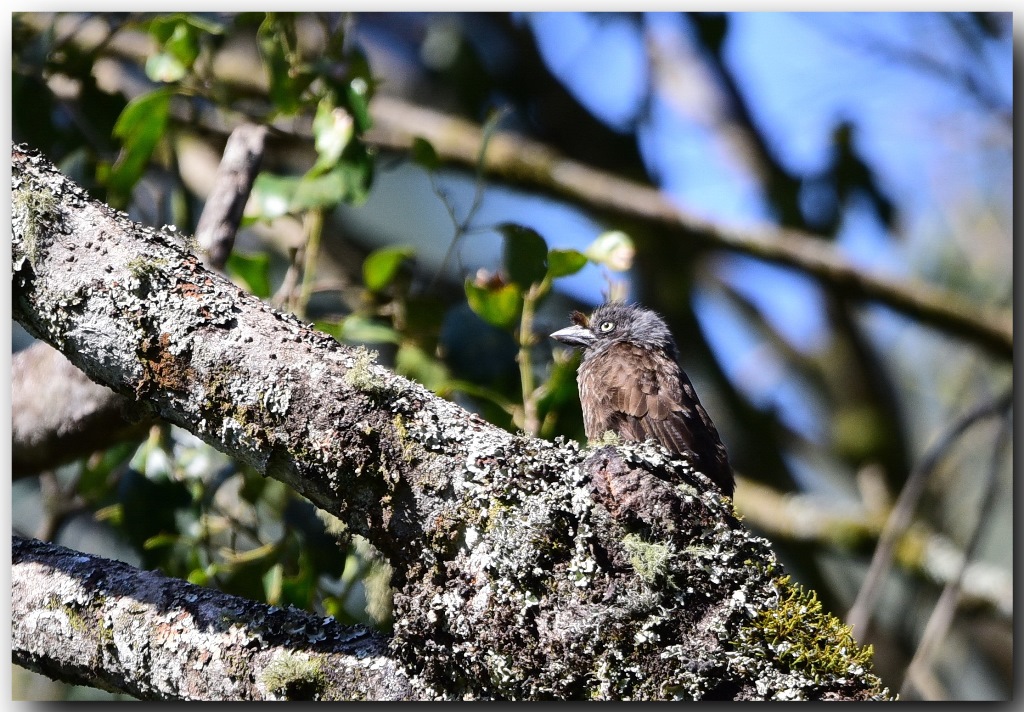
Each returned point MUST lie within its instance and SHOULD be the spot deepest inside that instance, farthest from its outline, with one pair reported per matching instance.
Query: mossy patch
(804, 638)
(361, 376)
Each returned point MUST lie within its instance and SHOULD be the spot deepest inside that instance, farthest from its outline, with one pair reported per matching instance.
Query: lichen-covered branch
(58, 414)
(523, 569)
(92, 621)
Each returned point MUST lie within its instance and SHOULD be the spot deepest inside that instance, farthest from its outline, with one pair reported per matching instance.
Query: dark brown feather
(640, 393)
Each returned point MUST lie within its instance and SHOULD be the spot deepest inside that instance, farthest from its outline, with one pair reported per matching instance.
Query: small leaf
(140, 126)
(165, 67)
(413, 362)
(322, 191)
(381, 266)
(526, 254)
(498, 305)
(562, 263)
(360, 329)
(330, 327)
(332, 129)
(253, 270)
(613, 249)
(271, 195)
(423, 154)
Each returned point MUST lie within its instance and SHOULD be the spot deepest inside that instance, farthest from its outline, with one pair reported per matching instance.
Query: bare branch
(899, 519)
(222, 213)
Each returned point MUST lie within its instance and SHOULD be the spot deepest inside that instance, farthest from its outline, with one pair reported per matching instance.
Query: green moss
(802, 637)
(409, 446)
(650, 560)
(295, 677)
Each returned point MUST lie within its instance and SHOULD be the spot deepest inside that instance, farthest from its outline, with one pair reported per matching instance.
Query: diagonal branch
(523, 569)
(522, 161)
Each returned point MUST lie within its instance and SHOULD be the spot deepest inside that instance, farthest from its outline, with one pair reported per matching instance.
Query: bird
(630, 383)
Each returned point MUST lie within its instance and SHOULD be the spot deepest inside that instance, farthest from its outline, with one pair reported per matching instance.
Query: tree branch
(58, 414)
(524, 569)
(92, 621)
(519, 160)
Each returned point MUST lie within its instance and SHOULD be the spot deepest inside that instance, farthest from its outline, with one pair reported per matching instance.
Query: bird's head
(616, 322)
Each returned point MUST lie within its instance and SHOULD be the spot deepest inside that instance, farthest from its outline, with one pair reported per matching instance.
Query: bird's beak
(577, 336)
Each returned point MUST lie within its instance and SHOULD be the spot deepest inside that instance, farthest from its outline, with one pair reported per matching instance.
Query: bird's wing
(642, 394)
(647, 389)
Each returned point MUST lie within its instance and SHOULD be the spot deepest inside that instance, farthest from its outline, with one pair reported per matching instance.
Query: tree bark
(102, 623)
(523, 569)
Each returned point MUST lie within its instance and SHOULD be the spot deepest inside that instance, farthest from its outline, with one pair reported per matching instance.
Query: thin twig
(859, 612)
(942, 614)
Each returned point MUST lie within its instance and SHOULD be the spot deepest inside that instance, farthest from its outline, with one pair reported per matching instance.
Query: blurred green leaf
(423, 154)
(330, 327)
(271, 195)
(277, 195)
(253, 270)
(613, 249)
(272, 581)
(381, 266)
(562, 263)
(413, 362)
(165, 67)
(95, 478)
(360, 329)
(288, 77)
(140, 126)
(526, 254)
(497, 305)
(322, 191)
(179, 37)
(332, 131)
(359, 90)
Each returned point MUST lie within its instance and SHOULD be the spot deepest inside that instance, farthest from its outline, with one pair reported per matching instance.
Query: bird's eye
(607, 326)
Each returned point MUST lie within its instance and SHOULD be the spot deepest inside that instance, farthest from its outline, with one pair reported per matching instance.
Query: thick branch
(524, 569)
(92, 621)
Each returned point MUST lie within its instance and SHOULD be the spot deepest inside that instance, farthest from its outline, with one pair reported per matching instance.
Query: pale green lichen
(361, 376)
(650, 560)
(295, 677)
(29, 208)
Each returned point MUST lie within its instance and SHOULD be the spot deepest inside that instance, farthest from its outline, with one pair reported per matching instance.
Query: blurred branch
(88, 620)
(520, 160)
(58, 414)
(942, 614)
(899, 518)
(222, 213)
(927, 554)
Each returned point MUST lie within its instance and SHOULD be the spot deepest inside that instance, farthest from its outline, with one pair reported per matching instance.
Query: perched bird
(631, 384)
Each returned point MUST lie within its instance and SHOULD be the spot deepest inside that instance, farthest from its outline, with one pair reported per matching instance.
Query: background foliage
(887, 136)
